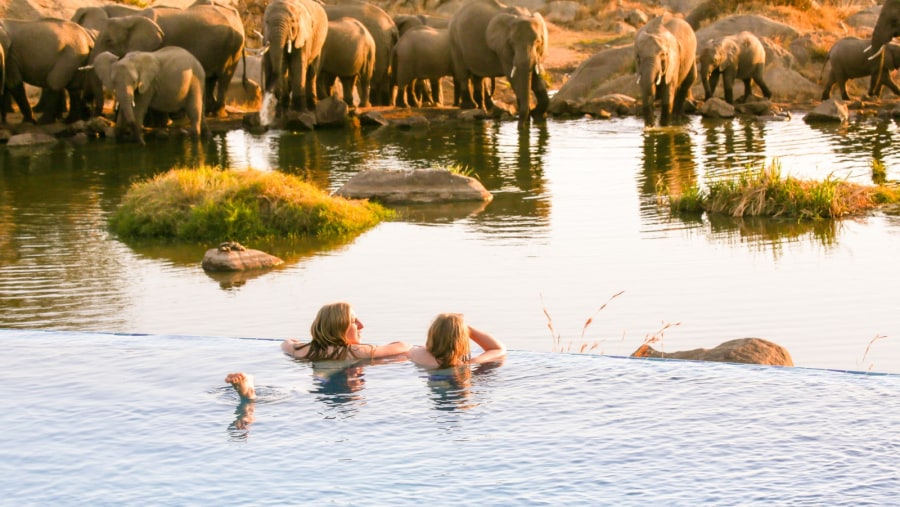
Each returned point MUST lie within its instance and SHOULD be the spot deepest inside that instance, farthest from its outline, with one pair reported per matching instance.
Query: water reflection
(339, 387)
(731, 145)
(455, 389)
(866, 140)
(668, 161)
(771, 234)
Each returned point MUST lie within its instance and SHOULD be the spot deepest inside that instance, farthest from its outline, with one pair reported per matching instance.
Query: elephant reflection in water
(668, 161)
(726, 148)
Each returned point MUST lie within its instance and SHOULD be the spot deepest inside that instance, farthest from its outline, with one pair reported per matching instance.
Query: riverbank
(796, 50)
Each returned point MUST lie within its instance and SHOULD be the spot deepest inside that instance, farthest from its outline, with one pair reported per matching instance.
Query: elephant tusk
(878, 53)
(86, 67)
(290, 46)
(538, 69)
(638, 79)
(265, 50)
(512, 72)
(258, 34)
(659, 79)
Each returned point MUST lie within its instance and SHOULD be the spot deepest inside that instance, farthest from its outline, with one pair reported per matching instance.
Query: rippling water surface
(574, 221)
(95, 419)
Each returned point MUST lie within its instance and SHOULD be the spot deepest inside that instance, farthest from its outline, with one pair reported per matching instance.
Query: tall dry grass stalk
(570, 346)
(868, 347)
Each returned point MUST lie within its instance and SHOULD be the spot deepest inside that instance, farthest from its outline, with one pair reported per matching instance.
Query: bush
(212, 204)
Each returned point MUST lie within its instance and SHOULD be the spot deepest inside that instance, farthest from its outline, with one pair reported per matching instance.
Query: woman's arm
(289, 347)
(494, 349)
(391, 349)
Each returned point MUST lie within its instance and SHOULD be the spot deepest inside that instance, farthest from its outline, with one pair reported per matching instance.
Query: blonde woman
(335, 337)
(335, 334)
(448, 344)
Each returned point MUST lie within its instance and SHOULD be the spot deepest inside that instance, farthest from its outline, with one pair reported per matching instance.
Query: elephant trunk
(277, 38)
(647, 75)
(523, 71)
(126, 120)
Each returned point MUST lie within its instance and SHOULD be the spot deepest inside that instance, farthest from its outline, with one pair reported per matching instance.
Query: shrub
(764, 192)
(207, 203)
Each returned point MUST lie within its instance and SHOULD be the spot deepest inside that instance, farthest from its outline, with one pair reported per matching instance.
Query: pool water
(97, 419)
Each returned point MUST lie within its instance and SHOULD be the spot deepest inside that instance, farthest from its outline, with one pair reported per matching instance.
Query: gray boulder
(741, 350)
(831, 110)
(760, 26)
(31, 139)
(413, 186)
(232, 256)
(717, 108)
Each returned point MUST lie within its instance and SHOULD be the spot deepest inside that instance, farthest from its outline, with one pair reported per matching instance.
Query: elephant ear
(147, 68)
(138, 34)
(498, 36)
(103, 67)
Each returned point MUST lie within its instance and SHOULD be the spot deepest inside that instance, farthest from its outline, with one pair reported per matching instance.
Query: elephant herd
(669, 60)
(153, 62)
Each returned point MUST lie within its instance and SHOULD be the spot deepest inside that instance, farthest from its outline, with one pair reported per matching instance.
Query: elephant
(490, 39)
(294, 32)
(848, 61)
(349, 54)
(406, 22)
(46, 53)
(422, 53)
(218, 50)
(887, 26)
(95, 18)
(739, 56)
(385, 33)
(167, 80)
(665, 49)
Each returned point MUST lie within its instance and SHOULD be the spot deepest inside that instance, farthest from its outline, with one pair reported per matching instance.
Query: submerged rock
(832, 110)
(232, 256)
(414, 186)
(741, 350)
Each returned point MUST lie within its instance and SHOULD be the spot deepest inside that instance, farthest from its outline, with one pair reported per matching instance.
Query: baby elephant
(349, 55)
(167, 80)
(849, 60)
(421, 53)
(740, 56)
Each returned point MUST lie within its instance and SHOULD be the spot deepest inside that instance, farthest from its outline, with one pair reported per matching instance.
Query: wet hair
(329, 334)
(448, 340)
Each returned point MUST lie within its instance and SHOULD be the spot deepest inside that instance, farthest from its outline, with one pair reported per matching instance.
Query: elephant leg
(887, 81)
(437, 92)
(713, 82)
(829, 84)
(297, 83)
(758, 79)
(50, 105)
(664, 92)
(728, 86)
(842, 85)
(21, 98)
(681, 94)
(363, 86)
(747, 89)
(539, 87)
(348, 84)
(417, 92)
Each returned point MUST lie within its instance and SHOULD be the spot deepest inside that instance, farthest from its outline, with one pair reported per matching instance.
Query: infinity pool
(96, 419)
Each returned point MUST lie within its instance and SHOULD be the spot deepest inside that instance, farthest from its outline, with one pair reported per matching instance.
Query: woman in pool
(447, 345)
(335, 335)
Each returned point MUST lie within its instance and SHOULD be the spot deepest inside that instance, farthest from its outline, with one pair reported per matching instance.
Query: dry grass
(868, 347)
(570, 346)
(765, 192)
(209, 203)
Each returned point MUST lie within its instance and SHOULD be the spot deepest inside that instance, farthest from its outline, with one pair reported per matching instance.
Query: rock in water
(232, 256)
(414, 186)
(741, 350)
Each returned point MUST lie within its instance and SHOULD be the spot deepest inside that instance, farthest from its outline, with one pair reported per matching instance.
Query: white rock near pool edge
(413, 186)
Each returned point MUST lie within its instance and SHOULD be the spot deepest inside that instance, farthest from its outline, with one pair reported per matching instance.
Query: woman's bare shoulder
(295, 348)
(422, 357)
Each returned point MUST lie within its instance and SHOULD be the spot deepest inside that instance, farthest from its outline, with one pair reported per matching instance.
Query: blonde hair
(448, 340)
(329, 333)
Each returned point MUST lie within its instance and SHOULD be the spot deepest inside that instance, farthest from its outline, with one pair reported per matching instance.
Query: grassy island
(212, 204)
(765, 192)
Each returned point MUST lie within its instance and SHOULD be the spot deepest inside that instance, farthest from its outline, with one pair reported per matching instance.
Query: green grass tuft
(765, 192)
(208, 203)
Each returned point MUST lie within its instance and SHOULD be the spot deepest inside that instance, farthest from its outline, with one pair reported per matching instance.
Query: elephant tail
(245, 81)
